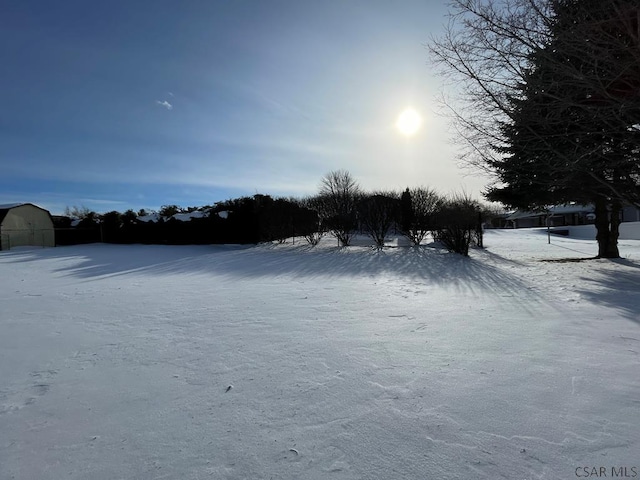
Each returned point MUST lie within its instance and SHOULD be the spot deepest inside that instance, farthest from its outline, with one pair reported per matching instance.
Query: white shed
(25, 224)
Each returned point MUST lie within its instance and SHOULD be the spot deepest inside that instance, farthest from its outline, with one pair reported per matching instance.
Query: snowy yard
(285, 362)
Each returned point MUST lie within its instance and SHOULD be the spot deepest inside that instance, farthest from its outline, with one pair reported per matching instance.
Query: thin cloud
(165, 104)
(98, 201)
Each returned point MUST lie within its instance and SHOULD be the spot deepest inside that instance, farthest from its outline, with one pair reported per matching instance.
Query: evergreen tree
(406, 211)
(573, 132)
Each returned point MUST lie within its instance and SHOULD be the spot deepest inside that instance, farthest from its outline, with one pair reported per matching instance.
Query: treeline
(340, 208)
(255, 219)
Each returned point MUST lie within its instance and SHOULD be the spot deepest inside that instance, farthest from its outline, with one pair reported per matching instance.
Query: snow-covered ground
(287, 362)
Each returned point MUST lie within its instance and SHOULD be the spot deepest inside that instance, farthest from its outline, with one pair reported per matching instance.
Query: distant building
(565, 215)
(25, 224)
(570, 214)
(630, 213)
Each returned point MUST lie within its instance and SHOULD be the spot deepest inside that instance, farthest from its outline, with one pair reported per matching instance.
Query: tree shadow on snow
(617, 289)
(422, 265)
(99, 260)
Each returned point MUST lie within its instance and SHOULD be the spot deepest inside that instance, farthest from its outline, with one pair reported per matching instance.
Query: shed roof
(9, 206)
(4, 209)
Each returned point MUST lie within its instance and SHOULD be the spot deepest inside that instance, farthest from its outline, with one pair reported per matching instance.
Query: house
(630, 213)
(559, 215)
(566, 215)
(25, 224)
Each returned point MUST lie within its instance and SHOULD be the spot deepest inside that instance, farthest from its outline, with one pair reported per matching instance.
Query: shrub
(378, 213)
(459, 223)
(418, 209)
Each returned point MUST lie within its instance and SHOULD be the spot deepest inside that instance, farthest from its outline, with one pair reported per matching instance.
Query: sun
(409, 121)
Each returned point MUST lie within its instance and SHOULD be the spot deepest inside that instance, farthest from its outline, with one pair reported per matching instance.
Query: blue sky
(137, 104)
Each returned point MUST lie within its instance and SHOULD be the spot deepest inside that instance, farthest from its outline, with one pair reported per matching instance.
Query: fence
(26, 237)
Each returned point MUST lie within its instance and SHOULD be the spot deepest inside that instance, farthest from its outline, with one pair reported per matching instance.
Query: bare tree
(339, 194)
(485, 52)
(419, 207)
(378, 213)
(315, 228)
(79, 213)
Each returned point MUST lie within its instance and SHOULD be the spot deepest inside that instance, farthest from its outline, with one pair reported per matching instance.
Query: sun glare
(409, 122)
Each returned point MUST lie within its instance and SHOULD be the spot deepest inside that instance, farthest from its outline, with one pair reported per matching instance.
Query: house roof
(181, 217)
(185, 217)
(151, 217)
(572, 208)
(519, 214)
(555, 210)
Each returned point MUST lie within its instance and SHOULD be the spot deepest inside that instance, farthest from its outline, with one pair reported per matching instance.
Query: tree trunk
(607, 228)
